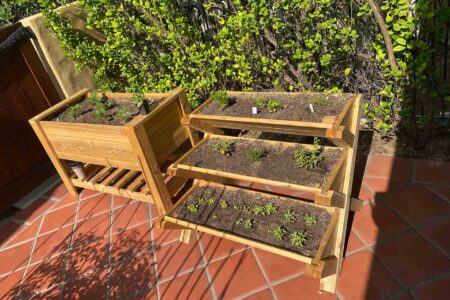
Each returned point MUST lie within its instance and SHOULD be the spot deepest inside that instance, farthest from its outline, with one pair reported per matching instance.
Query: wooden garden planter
(121, 160)
(247, 241)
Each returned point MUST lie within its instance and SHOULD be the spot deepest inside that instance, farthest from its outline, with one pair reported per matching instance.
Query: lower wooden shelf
(122, 182)
(228, 194)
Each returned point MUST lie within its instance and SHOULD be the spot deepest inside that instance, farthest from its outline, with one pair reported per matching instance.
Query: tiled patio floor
(104, 247)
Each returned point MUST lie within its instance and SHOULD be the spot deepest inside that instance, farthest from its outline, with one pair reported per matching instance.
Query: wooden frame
(122, 160)
(180, 168)
(330, 127)
(247, 241)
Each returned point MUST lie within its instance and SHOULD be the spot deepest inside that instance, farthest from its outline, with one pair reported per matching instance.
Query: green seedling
(123, 114)
(222, 147)
(270, 209)
(239, 221)
(246, 209)
(279, 232)
(309, 158)
(310, 220)
(138, 99)
(93, 97)
(259, 210)
(256, 154)
(298, 238)
(249, 223)
(100, 109)
(317, 101)
(211, 202)
(223, 204)
(201, 201)
(221, 98)
(290, 216)
(74, 111)
(261, 102)
(236, 207)
(273, 106)
(193, 208)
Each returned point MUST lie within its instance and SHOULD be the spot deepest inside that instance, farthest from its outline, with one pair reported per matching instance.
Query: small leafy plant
(273, 106)
(138, 99)
(239, 221)
(270, 208)
(261, 102)
(259, 210)
(211, 201)
(298, 238)
(193, 208)
(222, 147)
(290, 216)
(309, 159)
(279, 232)
(223, 204)
(318, 101)
(221, 98)
(74, 111)
(256, 154)
(310, 220)
(249, 223)
(93, 97)
(99, 105)
(122, 114)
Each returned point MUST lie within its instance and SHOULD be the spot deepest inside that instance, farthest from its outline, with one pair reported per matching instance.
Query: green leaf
(401, 41)
(399, 48)
(347, 71)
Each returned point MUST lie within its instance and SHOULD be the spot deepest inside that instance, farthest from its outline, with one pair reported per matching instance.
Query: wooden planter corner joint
(121, 160)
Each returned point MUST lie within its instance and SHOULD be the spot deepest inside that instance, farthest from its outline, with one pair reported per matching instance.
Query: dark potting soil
(87, 112)
(278, 163)
(240, 204)
(294, 107)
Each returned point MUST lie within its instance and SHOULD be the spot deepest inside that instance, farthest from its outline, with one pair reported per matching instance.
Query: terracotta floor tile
(92, 256)
(94, 206)
(98, 226)
(364, 194)
(52, 244)
(154, 211)
(129, 243)
(8, 231)
(93, 286)
(10, 285)
(389, 167)
(382, 187)
(165, 236)
(437, 289)
(34, 210)
(125, 279)
(215, 247)
(353, 243)
(14, 258)
(303, 287)
(118, 201)
(24, 233)
(438, 232)
(263, 295)
(375, 223)
(58, 191)
(67, 200)
(130, 215)
(278, 267)
(176, 258)
(58, 218)
(364, 278)
(412, 259)
(429, 171)
(417, 204)
(87, 193)
(190, 286)
(44, 275)
(442, 191)
(236, 275)
(147, 294)
(52, 294)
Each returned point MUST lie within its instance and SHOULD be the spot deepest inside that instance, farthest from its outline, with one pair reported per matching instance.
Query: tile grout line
(263, 271)
(208, 276)
(153, 249)
(443, 198)
(111, 221)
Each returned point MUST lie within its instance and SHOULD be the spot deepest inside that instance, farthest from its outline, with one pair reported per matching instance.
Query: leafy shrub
(256, 154)
(222, 147)
(273, 106)
(308, 159)
(221, 98)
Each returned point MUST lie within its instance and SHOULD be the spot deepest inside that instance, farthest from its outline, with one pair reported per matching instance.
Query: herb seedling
(259, 210)
(298, 238)
(74, 111)
(193, 208)
(93, 98)
(318, 101)
(201, 201)
(223, 204)
(308, 159)
(221, 98)
(211, 202)
(236, 207)
(100, 109)
(246, 209)
(270, 209)
(310, 220)
(273, 106)
(256, 154)
(261, 102)
(240, 221)
(290, 216)
(249, 223)
(138, 99)
(222, 147)
(122, 114)
(278, 232)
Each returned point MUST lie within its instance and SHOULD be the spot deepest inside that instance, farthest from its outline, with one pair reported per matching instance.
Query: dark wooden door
(25, 91)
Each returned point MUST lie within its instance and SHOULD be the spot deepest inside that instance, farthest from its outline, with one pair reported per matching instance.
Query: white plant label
(254, 110)
(311, 108)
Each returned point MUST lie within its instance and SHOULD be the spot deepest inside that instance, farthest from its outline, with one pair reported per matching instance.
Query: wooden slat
(125, 179)
(136, 183)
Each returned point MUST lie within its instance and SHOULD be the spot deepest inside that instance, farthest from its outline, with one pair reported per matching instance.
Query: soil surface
(87, 113)
(294, 107)
(277, 164)
(240, 204)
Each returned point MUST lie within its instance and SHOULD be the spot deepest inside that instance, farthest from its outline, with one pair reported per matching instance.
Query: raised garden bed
(224, 211)
(276, 165)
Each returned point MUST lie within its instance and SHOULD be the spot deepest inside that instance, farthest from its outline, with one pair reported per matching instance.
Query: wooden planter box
(169, 218)
(329, 126)
(182, 168)
(122, 160)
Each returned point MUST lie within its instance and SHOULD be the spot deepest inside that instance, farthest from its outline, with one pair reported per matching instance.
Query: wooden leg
(185, 236)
